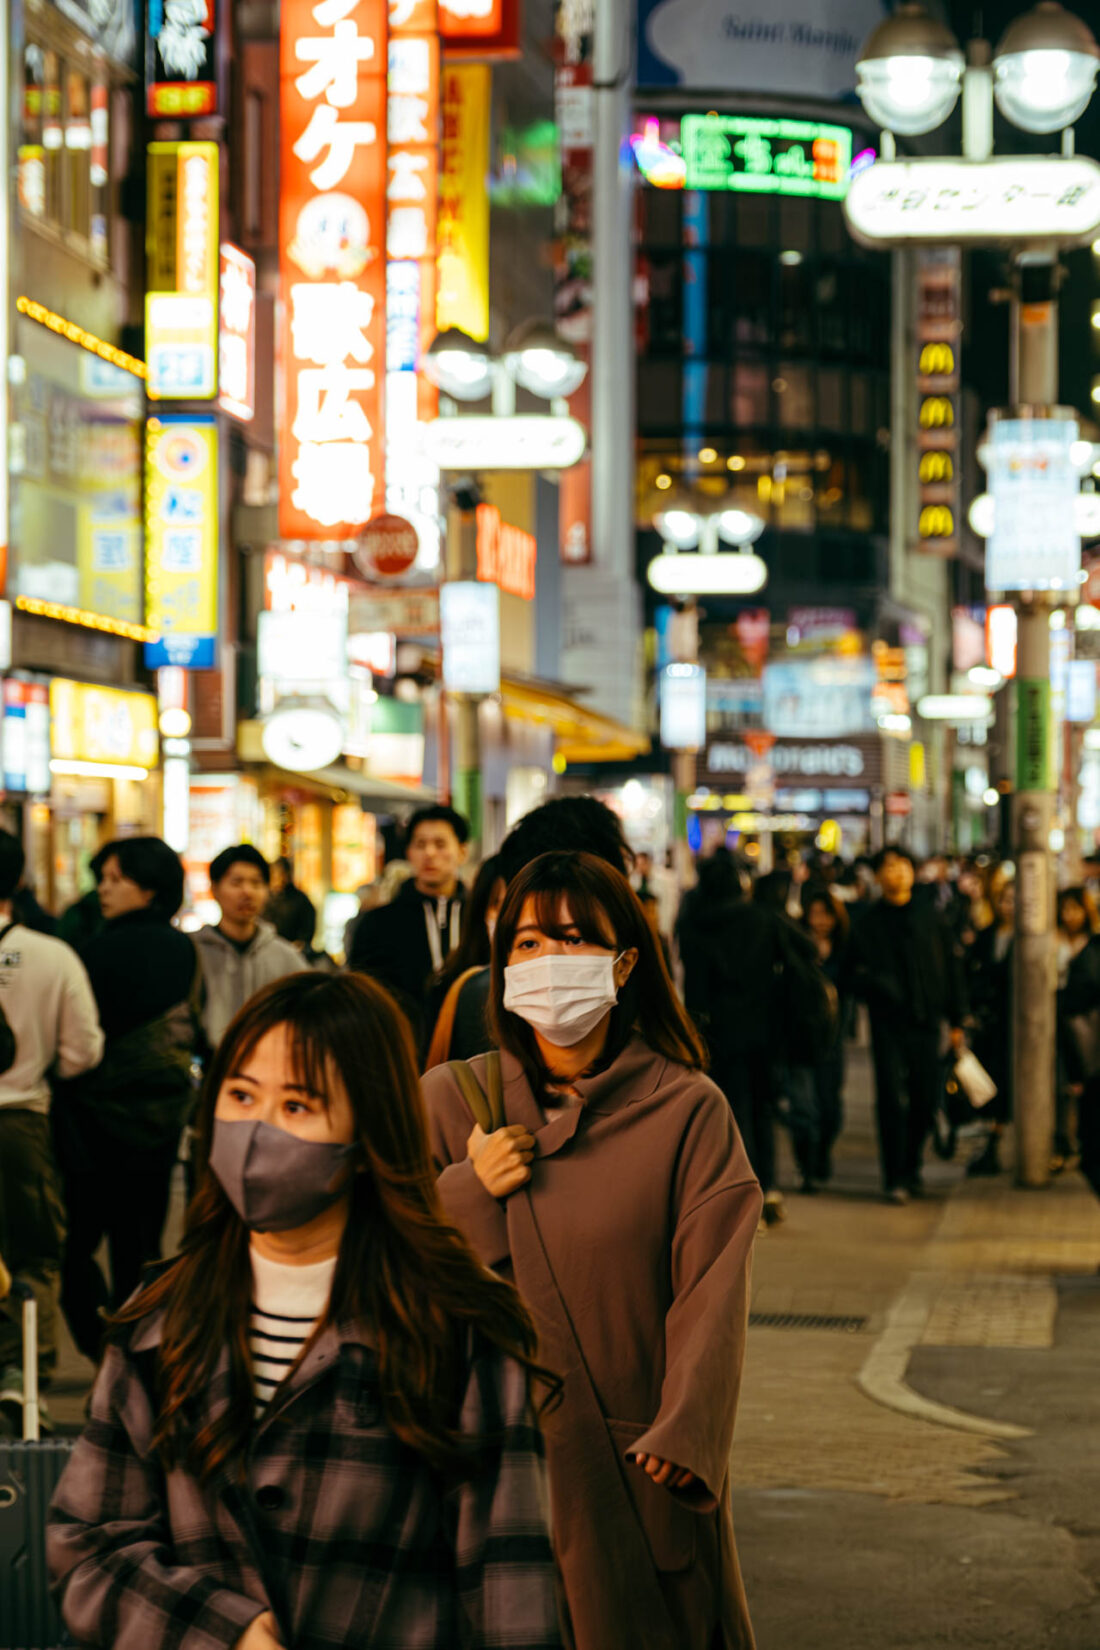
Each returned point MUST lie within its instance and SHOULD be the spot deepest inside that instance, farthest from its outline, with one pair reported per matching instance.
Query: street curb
(882, 1377)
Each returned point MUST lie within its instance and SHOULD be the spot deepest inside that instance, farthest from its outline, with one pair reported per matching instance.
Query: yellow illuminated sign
(463, 227)
(937, 360)
(937, 412)
(90, 621)
(79, 335)
(181, 525)
(182, 242)
(937, 466)
(936, 522)
(101, 724)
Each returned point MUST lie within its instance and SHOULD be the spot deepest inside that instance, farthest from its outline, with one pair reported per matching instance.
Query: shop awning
(381, 793)
(580, 734)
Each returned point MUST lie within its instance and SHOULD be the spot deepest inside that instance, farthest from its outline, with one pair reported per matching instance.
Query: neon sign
(746, 154)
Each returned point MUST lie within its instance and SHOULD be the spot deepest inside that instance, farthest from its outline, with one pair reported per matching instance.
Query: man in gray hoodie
(242, 953)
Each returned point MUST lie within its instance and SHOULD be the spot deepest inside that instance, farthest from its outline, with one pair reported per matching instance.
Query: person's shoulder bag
(485, 1105)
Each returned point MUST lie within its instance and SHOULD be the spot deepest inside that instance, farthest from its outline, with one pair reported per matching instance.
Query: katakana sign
(1013, 199)
(332, 235)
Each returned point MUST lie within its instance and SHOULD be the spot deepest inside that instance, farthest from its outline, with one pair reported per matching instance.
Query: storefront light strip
(78, 335)
(66, 769)
(90, 621)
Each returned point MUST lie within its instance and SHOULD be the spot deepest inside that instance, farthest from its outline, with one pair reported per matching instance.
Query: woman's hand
(262, 1633)
(666, 1473)
(502, 1160)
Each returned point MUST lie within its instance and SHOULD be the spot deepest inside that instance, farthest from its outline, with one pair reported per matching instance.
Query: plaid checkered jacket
(337, 1526)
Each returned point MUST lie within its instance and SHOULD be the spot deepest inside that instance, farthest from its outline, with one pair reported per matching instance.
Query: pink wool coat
(632, 1246)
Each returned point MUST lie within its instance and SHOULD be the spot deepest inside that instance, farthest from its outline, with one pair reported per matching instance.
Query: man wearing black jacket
(904, 965)
(404, 945)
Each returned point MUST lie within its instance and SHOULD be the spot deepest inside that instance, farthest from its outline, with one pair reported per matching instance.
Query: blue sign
(188, 652)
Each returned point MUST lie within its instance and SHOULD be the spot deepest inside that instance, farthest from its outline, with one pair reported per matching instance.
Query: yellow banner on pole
(463, 233)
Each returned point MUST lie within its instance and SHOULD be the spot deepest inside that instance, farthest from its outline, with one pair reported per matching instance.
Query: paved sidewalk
(910, 1478)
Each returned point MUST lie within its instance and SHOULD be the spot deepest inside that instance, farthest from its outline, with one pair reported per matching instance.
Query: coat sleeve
(79, 1038)
(504, 1561)
(716, 1202)
(479, 1216)
(108, 1543)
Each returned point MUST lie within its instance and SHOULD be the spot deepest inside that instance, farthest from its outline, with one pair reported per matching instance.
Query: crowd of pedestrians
(476, 1208)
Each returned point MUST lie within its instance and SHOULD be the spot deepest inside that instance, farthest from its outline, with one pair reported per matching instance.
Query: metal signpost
(911, 74)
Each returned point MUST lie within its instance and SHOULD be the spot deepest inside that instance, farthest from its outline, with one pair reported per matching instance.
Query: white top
(287, 1301)
(47, 996)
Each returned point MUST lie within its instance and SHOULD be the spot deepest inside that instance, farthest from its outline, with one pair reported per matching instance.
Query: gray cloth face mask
(275, 1181)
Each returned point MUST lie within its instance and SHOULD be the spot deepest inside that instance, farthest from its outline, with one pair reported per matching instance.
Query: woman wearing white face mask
(617, 1194)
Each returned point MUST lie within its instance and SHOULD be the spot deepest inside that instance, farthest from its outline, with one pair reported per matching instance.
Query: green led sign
(766, 157)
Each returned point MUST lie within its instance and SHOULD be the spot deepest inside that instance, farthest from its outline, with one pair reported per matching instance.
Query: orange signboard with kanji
(332, 248)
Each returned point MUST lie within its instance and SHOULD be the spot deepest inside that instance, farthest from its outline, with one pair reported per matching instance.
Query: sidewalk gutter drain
(805, 1320)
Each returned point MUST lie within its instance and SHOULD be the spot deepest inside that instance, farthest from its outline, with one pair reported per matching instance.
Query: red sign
(332, 240)
(480, 28)
(237, 333)
(899, 804)
(506, 555)
(181, 58)
(387, 548)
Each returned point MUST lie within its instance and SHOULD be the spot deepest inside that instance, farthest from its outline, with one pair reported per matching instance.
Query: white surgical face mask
(561, 997)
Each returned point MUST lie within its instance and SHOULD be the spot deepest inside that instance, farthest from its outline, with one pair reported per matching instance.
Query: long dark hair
(599, 898)
(402, 1269)
(473, 949)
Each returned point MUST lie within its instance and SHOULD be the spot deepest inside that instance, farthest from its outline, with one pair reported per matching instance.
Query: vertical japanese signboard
(237, 334)
(332, 242)
(181, 539)
(181, 303)
(180, 72)
(412, 193)
(463, 298)
(939, 334)
(574, 106)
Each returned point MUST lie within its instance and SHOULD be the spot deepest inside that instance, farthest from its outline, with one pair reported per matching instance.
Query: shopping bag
(974, 1080)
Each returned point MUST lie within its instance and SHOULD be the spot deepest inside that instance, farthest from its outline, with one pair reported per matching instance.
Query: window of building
(64, 149)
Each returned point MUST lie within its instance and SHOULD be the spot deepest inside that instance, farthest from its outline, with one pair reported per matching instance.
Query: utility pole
(1034, 392)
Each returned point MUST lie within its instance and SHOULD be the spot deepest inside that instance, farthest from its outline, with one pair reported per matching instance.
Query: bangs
(312, 1063)
(587, 917)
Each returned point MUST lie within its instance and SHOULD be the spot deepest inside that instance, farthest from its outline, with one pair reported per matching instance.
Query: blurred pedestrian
(289, 909)
(478, 926)
(580, 824)
(119, 1127)
(989, 990)
(242, 953)
(826, 921)
(341, 1449)
(404, 945)
(48, 1004)
(82, 920)
(1078, 921)
(619, 1196)
(905, 968)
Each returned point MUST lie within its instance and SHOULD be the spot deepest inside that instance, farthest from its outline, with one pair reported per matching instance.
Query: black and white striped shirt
(286, 1304)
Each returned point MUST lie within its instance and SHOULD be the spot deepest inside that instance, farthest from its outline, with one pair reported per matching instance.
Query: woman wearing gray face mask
(315, 1425)
(615, 1189)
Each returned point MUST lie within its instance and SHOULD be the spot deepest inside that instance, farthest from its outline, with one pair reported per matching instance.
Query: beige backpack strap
(486, 1109)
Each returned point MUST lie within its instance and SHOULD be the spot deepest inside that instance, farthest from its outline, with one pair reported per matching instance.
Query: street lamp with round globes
(458, 365)
(739, 526)
(1045, 68)
(679, 526)
(539, 360)
(910, 72)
